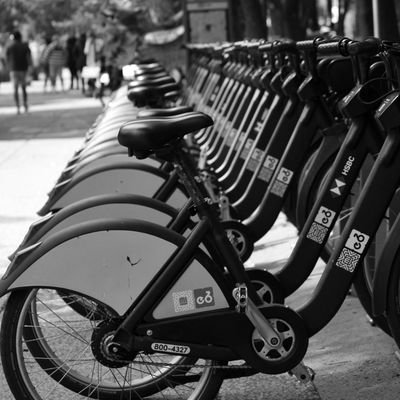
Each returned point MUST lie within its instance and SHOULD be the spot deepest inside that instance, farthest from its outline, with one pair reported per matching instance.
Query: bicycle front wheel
(49, 351)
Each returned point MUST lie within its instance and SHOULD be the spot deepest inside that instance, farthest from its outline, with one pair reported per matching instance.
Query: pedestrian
(56, 57)
(19, 62)
(81, 61)
(92, 50)
(73, 60)
(44, 64)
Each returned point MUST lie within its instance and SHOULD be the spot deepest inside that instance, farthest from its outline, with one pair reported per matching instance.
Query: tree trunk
(343, 7)
(386, 20)
(238, 22)
(312, 15)
(255, 21)
(364, 21)
(294, 20)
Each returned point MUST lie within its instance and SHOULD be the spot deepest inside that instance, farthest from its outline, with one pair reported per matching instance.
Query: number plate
(170, 348)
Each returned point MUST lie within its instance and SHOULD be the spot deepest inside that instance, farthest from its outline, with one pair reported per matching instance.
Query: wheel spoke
(58, 360)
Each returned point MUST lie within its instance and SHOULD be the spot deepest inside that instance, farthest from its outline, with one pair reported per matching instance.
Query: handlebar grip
(370, 46)
(266, 47)
(252, 45)
(287, 46)
(306, 45)
(330, 49)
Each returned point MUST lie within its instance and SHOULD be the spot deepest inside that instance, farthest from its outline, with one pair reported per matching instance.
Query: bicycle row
(133, 285)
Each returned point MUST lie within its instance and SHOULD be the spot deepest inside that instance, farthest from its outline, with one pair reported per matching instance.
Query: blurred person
(56, 57)
(73, 54)
(19, 62)
(92, 51)
(44, 64)
(81, 61)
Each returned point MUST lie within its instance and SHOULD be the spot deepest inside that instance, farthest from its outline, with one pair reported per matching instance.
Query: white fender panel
(110, 266)
(178, 199)
(112, 210)
(109, 161)
(132, 181)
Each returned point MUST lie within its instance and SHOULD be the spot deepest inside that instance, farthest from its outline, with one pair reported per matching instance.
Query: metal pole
(375, 16)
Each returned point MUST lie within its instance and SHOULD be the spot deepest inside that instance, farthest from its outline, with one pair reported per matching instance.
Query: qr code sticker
(279, 188)
(246, 150)
(183, 301)
(317, 233)
(348, 259)
(231, 137)
(252, 165)
(265, 174)
(240, 140)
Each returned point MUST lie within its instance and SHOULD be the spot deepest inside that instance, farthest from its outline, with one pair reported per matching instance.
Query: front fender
(111, 261)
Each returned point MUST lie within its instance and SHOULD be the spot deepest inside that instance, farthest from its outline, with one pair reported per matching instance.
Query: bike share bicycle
(267, 350)
(131, 199)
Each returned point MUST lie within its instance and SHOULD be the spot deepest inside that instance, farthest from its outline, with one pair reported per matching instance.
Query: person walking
(81, 61)
(19, 62)
(56, 58)
(72, 60)
(44, 64)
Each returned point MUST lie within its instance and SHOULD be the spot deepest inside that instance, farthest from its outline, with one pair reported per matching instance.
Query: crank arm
(262, 325)
(245, 305)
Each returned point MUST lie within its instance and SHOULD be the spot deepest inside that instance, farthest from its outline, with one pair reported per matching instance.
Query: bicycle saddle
(145, 77)
(148, 66)
(151, 82)
(148, 71)
(164, 112)
(144, 93)
(172, 95)
(144, 136)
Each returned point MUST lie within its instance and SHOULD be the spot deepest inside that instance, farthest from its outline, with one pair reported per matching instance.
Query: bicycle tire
(67, 377)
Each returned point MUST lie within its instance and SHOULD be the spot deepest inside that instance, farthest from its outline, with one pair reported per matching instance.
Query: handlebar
(348, 47)
(337, 48)
(367, 47)
(288, 46)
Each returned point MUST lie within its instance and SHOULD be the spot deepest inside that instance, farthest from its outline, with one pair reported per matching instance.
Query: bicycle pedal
(303, 373)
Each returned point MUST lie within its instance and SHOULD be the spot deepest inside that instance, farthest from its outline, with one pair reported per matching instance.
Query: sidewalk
(352, 360)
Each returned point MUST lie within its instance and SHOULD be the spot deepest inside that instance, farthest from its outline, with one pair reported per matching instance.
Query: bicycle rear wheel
(48, 351)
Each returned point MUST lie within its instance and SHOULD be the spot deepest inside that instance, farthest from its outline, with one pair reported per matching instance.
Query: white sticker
(247, 147)
(285, 175)
(170, 348)
(257, 154)
(270, 162)
(357, 241)
(325, 216)
(231, 136)
(241, 139)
